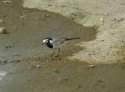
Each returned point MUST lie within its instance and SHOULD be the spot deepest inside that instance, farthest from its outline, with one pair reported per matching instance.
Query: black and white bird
(56, 42)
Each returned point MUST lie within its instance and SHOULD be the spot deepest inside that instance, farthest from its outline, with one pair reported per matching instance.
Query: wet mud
(28, 27)
(26, 65)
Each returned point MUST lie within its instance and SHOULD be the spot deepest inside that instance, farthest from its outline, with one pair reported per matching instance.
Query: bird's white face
(45, 41)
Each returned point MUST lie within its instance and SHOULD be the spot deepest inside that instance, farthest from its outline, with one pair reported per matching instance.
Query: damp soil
(29, 65)
(28, 27)
(61, 75)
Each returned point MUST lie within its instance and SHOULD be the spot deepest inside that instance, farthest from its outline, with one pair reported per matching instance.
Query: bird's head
(46, 40)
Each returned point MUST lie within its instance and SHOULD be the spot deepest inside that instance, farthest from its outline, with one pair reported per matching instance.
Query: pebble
(1, 20)
(91, 66)
(29, 66)
(22, 16)
(63, 79)
(7, 1)
(38, 66)
(101, 20)
(18, 60)
(105, 14)
(79, 87)
(3, 30)
(7, 46)
(57, 71)
(46, 15)
(118, 19)
(3, 62)
(16, 54)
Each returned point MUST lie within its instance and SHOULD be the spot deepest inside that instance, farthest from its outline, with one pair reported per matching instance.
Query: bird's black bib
(49, 44)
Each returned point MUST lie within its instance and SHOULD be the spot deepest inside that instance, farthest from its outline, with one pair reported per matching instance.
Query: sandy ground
(26, 65)
(108, 15)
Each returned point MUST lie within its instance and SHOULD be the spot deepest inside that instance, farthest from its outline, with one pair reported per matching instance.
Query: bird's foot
(56, 56)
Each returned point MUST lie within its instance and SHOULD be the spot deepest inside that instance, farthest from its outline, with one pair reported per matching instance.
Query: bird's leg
(56, 54)
(58, 51)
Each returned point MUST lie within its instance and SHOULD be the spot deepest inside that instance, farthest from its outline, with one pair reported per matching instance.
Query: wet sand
(27, 67)
(63, 75)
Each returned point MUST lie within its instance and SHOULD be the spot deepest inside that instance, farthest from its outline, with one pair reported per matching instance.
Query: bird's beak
(44, 41)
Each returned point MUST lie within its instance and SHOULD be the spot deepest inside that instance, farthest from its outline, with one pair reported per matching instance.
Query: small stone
(91, 66)
(4, 62)
(105, 14)
(7, 46)
(16, 54)
(38, 66)
(1, 20)
(102, 40)
(3, 30)
(118, 61)
(79, 87)
(17, 60)
(63, 79)
(7, 1)
(57, 71)
(101, 20)
(22, 16)
(118, 19)
(99, 81)
(46, 15)
(29, 66)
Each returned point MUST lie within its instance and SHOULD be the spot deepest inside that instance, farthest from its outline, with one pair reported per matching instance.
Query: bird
(56, 42)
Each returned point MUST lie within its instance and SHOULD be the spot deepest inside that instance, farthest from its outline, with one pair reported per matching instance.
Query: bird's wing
(56, 42)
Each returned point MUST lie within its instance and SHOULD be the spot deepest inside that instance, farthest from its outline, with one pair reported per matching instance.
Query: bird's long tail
(73, 38)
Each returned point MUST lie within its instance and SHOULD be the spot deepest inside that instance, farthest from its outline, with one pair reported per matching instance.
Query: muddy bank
(28, 27)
